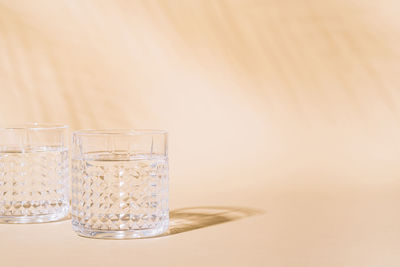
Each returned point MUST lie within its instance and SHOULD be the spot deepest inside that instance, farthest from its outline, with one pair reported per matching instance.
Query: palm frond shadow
(192, 218)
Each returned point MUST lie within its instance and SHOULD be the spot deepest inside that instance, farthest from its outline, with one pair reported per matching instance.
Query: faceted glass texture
(119, 189)
(34, 178)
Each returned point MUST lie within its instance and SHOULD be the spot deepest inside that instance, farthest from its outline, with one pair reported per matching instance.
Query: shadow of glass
(189, 219)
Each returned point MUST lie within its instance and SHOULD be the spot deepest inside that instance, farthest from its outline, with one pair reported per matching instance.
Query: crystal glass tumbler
(34, 178)
(119, 183)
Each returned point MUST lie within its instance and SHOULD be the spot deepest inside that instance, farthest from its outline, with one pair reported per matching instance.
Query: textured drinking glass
(120, 183)
(34, 180)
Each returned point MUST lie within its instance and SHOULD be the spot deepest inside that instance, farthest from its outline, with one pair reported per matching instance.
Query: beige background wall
(289, 107)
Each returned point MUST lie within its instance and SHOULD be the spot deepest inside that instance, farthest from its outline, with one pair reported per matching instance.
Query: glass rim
(121, 132)
(33, 126)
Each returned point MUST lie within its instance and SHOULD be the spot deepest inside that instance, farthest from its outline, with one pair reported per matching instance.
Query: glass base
(34, 218)
(123, 234)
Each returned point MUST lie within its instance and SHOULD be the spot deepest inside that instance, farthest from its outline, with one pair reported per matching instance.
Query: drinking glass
(120, 183)
(34, 166)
